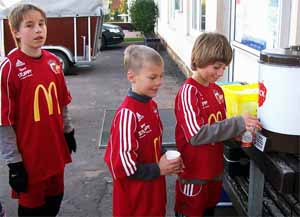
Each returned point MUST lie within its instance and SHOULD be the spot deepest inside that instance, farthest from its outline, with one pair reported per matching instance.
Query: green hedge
(144, 14)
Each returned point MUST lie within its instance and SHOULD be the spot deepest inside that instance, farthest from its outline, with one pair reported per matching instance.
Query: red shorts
(36, 193)
(193, 199)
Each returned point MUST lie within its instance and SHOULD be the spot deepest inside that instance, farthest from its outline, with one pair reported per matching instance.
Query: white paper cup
(172, 154)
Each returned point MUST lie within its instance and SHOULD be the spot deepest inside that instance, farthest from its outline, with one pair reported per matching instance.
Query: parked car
(111, 34)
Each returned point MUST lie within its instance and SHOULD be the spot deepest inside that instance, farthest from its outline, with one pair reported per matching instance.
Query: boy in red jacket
(202, 126)
(133, 153)
(36, 135)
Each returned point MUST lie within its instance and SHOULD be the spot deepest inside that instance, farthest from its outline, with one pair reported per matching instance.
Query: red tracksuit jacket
(135, 138)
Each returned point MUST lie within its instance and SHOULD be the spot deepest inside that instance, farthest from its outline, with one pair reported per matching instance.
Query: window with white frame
(257, 23)
(198, 15)
(178, 5)
(175, 7)
(171, 10)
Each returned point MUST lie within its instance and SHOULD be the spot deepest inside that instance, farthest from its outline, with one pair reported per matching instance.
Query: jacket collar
(138, 97)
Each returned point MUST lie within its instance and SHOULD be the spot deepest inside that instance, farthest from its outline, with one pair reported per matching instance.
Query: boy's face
(211, 73)
(147, 81)
(32, 32)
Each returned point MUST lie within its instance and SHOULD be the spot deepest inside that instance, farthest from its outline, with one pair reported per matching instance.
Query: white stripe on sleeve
(121, 142)
(184, 109)
(193, 113)
(130, 119)
(189, 113)
(125, 141)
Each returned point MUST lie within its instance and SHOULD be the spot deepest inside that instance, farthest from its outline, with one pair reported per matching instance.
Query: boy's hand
(18, 178)
(70, 139)
(168, 167)
(251, 123)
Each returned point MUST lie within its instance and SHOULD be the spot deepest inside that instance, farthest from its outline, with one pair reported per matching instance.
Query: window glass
(178, 5)
(171, 9)
(203, 14)
(194, 14)
(198, 15)
(257, 23)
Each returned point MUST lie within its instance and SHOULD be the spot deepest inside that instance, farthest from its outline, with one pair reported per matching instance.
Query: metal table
(279, 170)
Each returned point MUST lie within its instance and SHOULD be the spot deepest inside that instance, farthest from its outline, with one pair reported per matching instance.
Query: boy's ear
(193, 67)
(130, 76)
(16, 33)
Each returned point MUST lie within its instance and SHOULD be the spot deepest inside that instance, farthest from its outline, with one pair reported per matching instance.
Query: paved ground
(94, 89)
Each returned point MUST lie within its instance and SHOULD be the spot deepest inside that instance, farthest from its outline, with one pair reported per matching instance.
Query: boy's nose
(37, 28)
(159, 81)
(220, 72)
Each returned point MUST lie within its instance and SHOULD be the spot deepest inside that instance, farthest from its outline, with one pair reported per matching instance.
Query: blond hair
(210, 48)
(137, 56)
(16, 17)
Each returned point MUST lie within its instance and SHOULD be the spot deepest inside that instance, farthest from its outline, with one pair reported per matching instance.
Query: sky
(7, 3)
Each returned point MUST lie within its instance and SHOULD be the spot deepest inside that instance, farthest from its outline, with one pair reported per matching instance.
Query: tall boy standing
(36, 133)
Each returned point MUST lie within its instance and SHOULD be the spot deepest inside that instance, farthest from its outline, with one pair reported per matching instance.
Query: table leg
(256, 191)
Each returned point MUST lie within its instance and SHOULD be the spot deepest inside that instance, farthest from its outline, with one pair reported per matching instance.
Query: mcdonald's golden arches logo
(48, 96)
(156, 143)
(214, 117)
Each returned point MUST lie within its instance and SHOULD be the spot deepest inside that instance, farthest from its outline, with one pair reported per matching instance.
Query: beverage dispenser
(279, 100)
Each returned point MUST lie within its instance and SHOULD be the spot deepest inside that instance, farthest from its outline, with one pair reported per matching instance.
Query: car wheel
(103, 42)
(63, 60)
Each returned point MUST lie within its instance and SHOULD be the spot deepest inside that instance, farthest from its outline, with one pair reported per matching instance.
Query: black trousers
(51, 208)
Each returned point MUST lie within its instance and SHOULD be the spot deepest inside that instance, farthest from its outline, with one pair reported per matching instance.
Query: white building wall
(175, 29)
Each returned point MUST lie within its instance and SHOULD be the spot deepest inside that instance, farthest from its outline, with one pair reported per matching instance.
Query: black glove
(70, 139)
(18, 178)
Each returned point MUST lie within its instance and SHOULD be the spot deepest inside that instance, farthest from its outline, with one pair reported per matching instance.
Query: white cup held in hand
(172, 154)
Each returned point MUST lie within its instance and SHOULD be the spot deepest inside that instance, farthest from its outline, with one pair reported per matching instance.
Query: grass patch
(133, 39)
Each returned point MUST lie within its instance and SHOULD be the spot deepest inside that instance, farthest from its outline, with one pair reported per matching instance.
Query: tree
(144, 14)
(123, 7)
